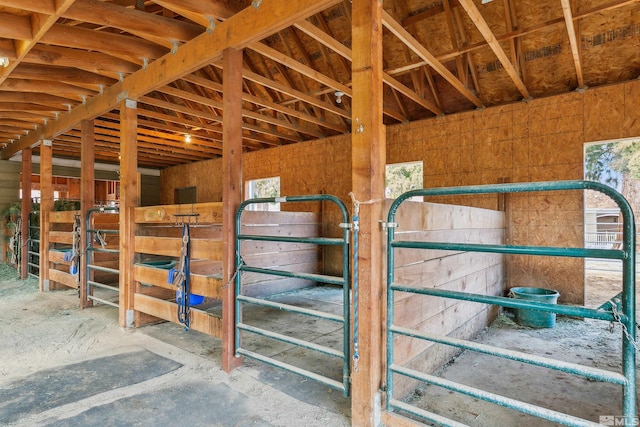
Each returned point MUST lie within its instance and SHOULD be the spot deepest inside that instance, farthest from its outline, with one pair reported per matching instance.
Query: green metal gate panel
(625, 314)
(342, 280)
(92, 249)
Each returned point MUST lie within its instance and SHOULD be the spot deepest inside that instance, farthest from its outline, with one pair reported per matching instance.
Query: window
(402, 177)
(265, 187)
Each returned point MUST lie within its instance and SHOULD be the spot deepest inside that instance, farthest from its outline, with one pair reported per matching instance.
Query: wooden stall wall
(472, 272)
(60, 240)
(540, 140)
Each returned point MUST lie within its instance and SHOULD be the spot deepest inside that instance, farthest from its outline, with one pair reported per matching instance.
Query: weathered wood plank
(201, 321)
(396, 420)
(436, 216)
(208, 213)
(208, 286)
(279, 218)
(63, 278)
(57, 257)
(61, 237)
(167, 246)
(63, 217)
(200, 232)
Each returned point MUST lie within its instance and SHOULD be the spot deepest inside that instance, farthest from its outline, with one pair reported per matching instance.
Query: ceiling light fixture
(485, 1)
(187, 138)
(4, 61)
(339, 94)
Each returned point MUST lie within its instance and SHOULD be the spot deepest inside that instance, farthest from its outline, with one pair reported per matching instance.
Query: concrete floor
(66, 367)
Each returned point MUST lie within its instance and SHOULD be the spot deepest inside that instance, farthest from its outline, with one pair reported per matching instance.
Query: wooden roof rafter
(492, 41)
(573, 40)
(333, 44)
(395, 27)
(39, 29)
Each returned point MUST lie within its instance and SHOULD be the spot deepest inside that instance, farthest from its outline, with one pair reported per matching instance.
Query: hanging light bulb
(339, 94)
(187, 138)
(4, 61)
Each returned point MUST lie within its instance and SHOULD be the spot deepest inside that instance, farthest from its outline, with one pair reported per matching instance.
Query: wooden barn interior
(153, 114)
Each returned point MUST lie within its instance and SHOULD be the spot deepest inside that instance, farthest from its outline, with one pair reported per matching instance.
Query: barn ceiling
(440, 56)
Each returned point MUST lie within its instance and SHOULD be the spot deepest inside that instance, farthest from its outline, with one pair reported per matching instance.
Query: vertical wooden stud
(46, 206)
(87, 201)
(231, 193)
(25, 211)
(129, 200)
(368, 160)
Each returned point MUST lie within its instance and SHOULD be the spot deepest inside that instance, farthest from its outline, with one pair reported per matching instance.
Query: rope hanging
(356, 315)
(179, 277)
(15, 242)
(74, 259)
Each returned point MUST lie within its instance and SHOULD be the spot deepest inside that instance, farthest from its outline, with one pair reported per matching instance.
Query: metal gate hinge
(386, 225)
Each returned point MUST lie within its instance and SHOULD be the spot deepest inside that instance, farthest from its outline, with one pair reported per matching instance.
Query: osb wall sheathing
(541, 140)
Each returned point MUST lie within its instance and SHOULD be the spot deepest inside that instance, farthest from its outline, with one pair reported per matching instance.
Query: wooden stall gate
(102, 256)
(64, 249)
(281, 251)
(157, 243)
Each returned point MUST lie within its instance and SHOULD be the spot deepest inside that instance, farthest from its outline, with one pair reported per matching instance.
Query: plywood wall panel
(540, 140)
(604, 113)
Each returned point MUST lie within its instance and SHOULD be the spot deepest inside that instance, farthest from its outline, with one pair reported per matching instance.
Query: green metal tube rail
(343, 281)
(33, 251)
(627, 316)
(90, 249)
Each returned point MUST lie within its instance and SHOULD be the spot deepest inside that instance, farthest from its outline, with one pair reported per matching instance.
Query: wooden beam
(46, 206)
(573, 40)
(15, 27)
(129, 200)
(201, 12)
(156, 28)
(46, 7)
(25, 211)
(328, 41)
(130, 48)
(54, 88)
(40, 28)
(397, 29)
(189, 57)
(494, 44)
(368, 159)
(305, 70)
(87, 201)
(61, 74)
(94, 62)
(231, 196)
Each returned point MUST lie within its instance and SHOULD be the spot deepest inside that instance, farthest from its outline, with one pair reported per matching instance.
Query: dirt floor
(587, 342)
(60, 366)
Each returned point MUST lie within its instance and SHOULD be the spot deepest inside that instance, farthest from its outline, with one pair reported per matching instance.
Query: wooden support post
(368, 159)
(129, 200)
(87, 201)
(231, 194)
(25, 211)
(46, 206)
